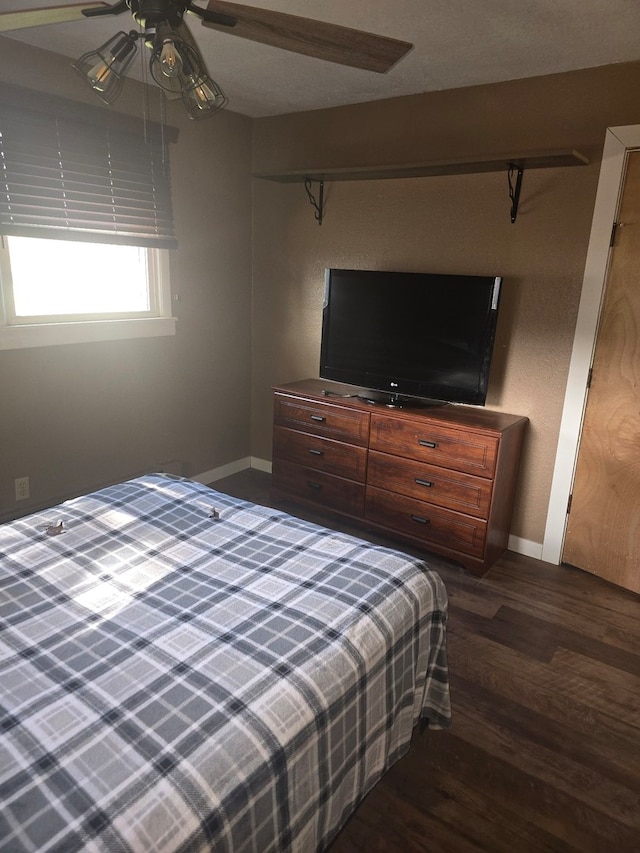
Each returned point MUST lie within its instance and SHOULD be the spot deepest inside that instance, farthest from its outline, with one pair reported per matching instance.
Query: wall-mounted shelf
(464, 166)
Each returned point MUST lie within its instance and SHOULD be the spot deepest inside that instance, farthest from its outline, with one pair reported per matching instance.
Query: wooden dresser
(441, 478)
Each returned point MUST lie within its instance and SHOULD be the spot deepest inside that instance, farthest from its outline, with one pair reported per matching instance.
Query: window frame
(160, 322)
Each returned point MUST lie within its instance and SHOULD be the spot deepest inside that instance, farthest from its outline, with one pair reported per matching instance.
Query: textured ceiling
(458, 43)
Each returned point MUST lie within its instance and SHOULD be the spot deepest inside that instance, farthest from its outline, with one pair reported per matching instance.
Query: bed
(181, 670)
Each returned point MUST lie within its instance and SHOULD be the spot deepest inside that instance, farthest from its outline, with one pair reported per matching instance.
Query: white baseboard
(261, 464)
(223, 471)
(232, 468)
(525, 547)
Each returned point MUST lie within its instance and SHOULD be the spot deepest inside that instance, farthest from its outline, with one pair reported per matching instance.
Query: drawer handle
(315, 452)
(425, 443)
(421, 482)
(313, 485)
(320, 418)
(419, 520)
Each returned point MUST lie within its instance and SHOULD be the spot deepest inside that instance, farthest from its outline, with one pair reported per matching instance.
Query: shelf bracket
(317, 204)
(514, 191)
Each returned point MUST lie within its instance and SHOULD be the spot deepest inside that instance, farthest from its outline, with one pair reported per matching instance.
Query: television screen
(410, 334)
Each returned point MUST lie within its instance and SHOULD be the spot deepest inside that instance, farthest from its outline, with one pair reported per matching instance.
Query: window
(75, 280)
(86, 224)
(60, 291)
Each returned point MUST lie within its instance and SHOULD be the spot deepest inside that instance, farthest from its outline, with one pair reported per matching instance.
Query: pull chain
(145, 84)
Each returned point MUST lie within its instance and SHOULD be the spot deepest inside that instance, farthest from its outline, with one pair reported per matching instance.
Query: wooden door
(603, 532)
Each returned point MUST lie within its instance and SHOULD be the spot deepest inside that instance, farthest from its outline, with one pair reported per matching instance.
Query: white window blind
(65, 177)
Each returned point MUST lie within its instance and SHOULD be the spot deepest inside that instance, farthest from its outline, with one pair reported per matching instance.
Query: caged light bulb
(170, 59)
(99, 75)
(202, 93)
(201, 96)
(103, 69)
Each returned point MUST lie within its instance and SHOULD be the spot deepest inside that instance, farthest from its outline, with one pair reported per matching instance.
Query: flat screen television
(410, 335)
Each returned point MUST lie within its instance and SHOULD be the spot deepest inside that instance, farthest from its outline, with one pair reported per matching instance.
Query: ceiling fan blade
(186, 35)
(330, 42)
(40, 17)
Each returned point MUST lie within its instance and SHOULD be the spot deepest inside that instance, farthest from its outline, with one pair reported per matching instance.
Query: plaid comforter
(184, 671)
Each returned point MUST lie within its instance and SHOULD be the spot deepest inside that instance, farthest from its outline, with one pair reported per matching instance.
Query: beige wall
(79, 416)
(443, 224)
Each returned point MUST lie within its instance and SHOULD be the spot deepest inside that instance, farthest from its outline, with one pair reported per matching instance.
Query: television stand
(442, 479)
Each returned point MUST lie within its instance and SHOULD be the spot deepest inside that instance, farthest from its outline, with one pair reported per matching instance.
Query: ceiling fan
(176, 63)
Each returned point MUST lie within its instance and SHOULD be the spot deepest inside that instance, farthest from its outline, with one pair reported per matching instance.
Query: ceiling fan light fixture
(173, 59)
(104, 69)
(202, 97)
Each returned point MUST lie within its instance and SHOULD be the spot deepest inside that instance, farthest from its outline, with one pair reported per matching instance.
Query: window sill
(53, 334)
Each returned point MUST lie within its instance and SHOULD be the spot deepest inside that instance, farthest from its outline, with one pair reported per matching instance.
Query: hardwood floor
(544, 749)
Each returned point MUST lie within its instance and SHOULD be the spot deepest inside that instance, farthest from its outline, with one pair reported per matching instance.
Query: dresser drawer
(323, 454)
(427, 441)
(329, 421)
(324, 489)
(451, 489)
(426, 522)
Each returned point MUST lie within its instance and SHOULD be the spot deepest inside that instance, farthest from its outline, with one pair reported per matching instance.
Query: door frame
(618, 141)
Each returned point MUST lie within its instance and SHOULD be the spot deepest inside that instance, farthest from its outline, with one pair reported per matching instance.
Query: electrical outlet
(22, 488)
